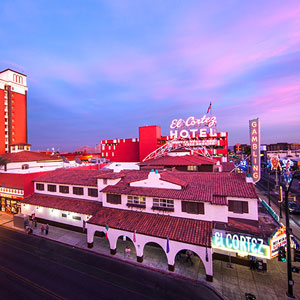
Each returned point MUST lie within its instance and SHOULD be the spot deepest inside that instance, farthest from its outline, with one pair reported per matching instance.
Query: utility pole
(288, 242)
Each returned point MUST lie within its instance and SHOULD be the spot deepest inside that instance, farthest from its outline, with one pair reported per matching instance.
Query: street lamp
(288, 178)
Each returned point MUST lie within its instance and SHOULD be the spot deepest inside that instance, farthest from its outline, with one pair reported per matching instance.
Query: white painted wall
(212, 212)
(70, 194)
(142, 240)
(252, 209)
(154, 181)
(53, 214)
(35, 166)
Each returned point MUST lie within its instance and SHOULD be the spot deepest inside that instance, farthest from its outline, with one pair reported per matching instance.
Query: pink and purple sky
(100, 69)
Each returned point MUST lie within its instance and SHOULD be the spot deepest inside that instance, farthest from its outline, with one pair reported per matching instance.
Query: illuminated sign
(245, 245)
(11, 196)
(255, 148)
(275, 162)
(278, 240)
(192, 127)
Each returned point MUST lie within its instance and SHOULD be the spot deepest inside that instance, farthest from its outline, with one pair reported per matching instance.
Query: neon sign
(255, 148)
(192, 127)
(278, 240)
(240, 243)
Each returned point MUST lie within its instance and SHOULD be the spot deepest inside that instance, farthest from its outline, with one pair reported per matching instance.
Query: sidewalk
(231, 283)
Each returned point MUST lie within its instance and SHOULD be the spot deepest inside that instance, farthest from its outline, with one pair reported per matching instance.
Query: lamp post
(288, 177)
(269, 196)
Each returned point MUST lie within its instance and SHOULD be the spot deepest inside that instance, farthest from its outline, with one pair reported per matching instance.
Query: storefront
(10, 203)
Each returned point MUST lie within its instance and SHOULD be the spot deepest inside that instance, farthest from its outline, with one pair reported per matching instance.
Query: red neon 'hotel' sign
(255, 148)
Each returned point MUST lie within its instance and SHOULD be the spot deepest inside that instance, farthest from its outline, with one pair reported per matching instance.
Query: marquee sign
(278, 240)
(255, 148)
(192, 127)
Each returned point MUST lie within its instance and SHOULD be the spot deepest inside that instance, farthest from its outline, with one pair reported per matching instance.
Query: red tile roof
(64, 203)
(227, 166)
(73, 176)
(185, 160)
(178, 229)
(9, 180)
(200, 186)
(26, 156)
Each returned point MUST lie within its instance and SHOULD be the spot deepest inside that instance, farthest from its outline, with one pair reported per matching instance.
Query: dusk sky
(100, 69)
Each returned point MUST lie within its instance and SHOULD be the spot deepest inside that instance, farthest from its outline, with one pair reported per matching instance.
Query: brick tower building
(13, 111)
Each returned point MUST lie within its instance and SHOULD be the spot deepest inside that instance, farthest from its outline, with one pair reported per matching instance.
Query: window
(192, 207)
(163, 204)
(40, 186)
(64, 215)
(25, 167)
(238, 207)
(93, 192)
(136, 201)
(64, 189)
(105, 181)
(192, 168)
(77, 190)
(113, 198)
(51, 188)
(76, 218)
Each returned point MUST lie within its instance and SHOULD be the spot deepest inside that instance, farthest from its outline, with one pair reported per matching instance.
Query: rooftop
(87, 207)
(27, 156)
(197, 186)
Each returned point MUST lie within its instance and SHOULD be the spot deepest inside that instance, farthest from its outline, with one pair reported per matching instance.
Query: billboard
(255, 148)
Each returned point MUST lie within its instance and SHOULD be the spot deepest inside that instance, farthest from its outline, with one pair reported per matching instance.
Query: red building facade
(13, 110)
(150, 139)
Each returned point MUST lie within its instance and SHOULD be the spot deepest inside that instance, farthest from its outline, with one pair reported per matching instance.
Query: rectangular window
(77, 190)
(104, 181)
(64, 189)
(192, 168)
(39, 186)
(64, 215)
(113, 199)
(76, 218)
(192, 207)
(238, 207)
(93, 192)
(136, 201)
(51, 188)
(163, 204)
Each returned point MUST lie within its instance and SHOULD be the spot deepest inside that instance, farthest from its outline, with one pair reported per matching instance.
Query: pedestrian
(189, 254)
(35, 223)
(26, 223)
(127, 251)
(252, 263)
(42, 229)
(47, 229)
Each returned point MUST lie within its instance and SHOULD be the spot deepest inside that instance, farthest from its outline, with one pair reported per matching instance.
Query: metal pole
(280, 194)
(269, 197)
(289, 258)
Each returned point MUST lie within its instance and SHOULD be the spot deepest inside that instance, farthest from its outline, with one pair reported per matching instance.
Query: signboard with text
(241, 244)
(255, 148)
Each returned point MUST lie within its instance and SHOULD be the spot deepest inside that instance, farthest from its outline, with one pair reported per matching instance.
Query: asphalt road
(35, 268)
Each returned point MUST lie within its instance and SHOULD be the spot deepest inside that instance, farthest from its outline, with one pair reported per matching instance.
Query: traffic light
(282, 254)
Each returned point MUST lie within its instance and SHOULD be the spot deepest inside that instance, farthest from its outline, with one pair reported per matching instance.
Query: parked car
(294, 208)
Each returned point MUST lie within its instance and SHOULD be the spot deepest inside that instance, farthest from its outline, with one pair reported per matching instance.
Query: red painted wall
(18, 107)
(2, 121)
(149, 137)
(120, 150)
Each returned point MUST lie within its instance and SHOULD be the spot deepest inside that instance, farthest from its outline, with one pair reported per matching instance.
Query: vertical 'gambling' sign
(255, 148)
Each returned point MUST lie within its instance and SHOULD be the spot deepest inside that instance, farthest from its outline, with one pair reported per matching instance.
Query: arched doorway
(124, 243)
(155, 256)
(101, 244)
(189, 264)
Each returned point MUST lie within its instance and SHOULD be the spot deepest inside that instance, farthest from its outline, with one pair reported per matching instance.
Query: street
(36, 268)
